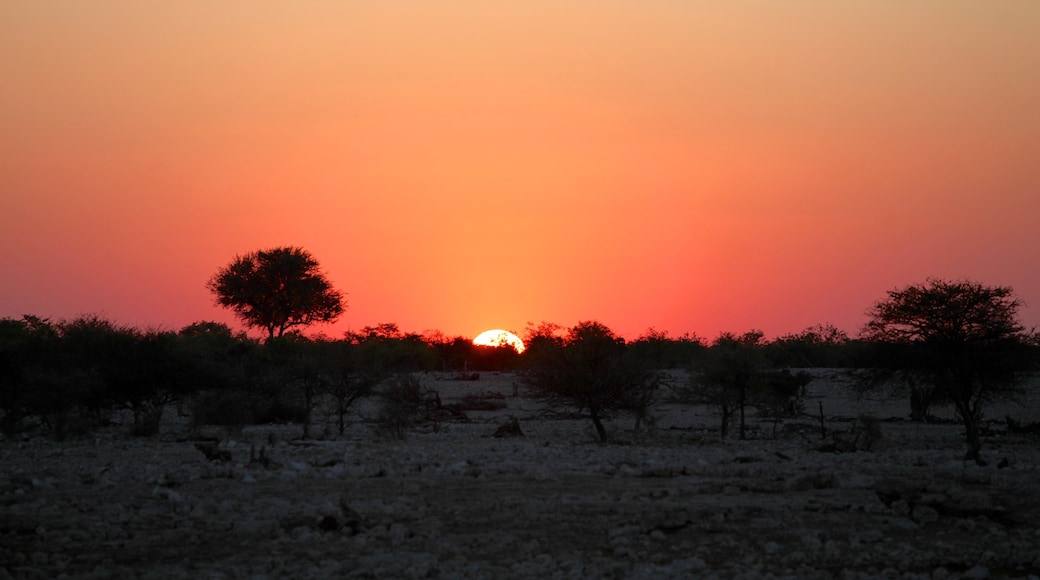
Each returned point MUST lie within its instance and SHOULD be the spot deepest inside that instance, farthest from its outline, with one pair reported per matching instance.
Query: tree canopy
(276, 290)
(956, 341)
(590, 368)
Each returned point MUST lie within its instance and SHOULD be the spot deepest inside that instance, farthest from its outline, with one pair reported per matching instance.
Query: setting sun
(498, 337)
(694, 167)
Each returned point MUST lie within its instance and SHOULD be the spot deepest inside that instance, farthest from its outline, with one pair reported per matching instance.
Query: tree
(27, 350)
(660, 351)
(821, 345)
(728, 374)
(956, 341)
(276, 290)
(590, 367)
(296, 368)
(351, 370)
(395, 349)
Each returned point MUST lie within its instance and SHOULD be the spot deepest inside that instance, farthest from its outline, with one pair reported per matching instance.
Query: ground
(452, 500)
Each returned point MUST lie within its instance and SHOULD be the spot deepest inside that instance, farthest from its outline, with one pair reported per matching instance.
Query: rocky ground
(452, 500)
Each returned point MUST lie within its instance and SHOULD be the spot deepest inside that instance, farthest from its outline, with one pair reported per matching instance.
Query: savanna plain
(847, 489)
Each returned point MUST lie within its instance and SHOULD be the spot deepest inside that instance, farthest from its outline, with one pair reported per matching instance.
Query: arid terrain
(454, 501)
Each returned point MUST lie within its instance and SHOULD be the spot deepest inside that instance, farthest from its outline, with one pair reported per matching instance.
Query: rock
(510, 429)
(978, 571)
(871, 536)
(212, 452)
(891, 490)
(329, 524)
(924, 514)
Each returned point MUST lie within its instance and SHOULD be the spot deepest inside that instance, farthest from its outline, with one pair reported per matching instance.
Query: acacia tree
(591, 368)
(957, 341)
(276, 290)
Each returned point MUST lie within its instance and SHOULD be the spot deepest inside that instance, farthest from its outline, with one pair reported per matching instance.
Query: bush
(864, 435)
(404, 402)
(238, 407)
(228, 408)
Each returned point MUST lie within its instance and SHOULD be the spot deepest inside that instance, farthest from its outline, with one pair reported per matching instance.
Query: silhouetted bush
(225, 407)
(403, 407)
(782, 393)
(27, 352)
(819, 346)
(494, 358)
(393, 349)
(350, 372)
(863, 435)
(656, 350)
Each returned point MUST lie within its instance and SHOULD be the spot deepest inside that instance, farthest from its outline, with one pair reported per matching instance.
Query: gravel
(456, 502)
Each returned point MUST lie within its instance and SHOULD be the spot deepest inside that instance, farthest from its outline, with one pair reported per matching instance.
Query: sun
(498, 337)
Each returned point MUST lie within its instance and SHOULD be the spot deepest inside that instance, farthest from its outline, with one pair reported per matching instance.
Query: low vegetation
(955, 343)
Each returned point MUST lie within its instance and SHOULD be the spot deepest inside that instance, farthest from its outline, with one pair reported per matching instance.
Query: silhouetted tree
(395, 349)
(154, 370)
(660, 351)
(90, 354)
(544, 335)
(351, 371)
(27, 351)
(503, 357)
(454, 353)
(956, 341)
(589, 367)
(727, 376)
(133, 370)
(821, 345)
(277, 290)
(735, 373)
(296, 370)
(217, 354)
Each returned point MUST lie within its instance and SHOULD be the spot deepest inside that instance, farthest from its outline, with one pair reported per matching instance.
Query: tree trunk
(600, 429)
(919, 405)
(341, 410)
(972, 419)
(308, 402)
(147, 418)
(725, 420)
(743, 429)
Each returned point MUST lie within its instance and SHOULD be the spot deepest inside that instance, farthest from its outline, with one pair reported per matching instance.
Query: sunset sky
(461, 165)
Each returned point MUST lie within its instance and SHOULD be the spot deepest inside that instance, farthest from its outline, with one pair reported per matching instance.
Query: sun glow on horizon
(499, 337)
(692, 167)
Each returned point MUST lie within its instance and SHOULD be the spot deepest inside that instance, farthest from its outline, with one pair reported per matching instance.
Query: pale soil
(456, 502)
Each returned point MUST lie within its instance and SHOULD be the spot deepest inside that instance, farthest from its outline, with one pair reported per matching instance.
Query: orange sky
(464, 165)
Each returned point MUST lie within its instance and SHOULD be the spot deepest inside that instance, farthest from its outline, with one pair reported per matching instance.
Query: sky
(691, 166)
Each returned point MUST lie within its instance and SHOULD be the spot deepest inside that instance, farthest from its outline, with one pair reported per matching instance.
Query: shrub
(403, 405)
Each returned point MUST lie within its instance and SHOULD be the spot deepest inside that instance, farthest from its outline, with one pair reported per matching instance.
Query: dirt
(452, 500)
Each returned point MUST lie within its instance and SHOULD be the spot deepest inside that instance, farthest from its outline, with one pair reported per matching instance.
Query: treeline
(70, 377)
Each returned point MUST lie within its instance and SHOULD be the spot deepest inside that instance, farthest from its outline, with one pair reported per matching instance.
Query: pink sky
(461, 165)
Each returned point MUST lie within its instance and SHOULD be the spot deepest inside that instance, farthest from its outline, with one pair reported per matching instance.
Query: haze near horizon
(692, 167)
